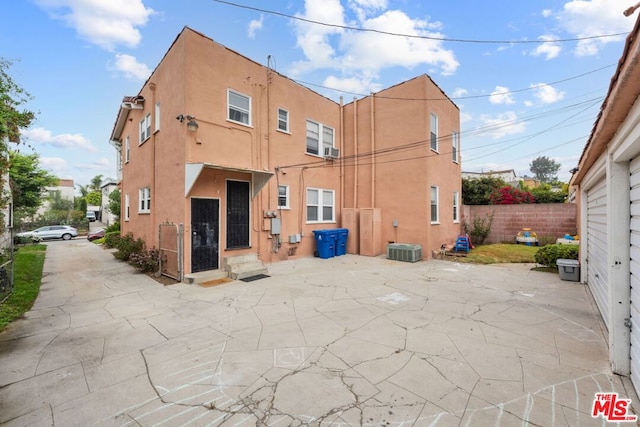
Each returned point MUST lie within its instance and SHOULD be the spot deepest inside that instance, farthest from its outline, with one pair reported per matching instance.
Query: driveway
(345, 341)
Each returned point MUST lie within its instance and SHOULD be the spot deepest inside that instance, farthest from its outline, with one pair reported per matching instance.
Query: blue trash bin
(325, 243)
(341, 244)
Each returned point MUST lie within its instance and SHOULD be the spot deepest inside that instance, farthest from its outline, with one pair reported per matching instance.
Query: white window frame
(144, 200)
(322, 133)
(126, 207)
(321, 205)
(455, 146)
(238, 108)
(285, 121)
(434, 202)
(456, 207)
(127, 149)
(286, 197)
(157, 118)
(433, 132)
(145, 129)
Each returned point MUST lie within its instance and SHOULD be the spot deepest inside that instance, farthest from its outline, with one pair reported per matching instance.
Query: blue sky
(526, 85)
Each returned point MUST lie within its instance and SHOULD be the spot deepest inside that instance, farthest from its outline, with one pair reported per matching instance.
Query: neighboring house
(508, 176)
(65, 189)
(106, 216)
(251, 162)
(530, 182)
(607, 184)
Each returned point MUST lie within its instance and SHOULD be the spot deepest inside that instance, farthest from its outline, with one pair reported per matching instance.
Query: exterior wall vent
(404, 252)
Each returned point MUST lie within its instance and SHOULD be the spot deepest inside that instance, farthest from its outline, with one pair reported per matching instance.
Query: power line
(414, 36)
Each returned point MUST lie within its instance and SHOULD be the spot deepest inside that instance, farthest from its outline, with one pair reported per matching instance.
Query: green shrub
(480, 228)
(127, 245)
(147, 261)
(113, 227)
(111, 239)
(548, 255)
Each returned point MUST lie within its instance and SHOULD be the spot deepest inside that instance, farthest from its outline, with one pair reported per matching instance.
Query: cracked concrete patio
(346, 341)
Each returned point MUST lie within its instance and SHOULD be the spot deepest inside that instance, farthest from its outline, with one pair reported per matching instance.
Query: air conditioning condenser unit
(404, 252)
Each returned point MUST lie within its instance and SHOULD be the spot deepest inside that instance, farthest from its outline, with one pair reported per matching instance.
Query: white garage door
(597, 247)
(635, 271)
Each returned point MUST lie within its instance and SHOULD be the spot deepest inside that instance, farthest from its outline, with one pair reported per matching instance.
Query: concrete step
(205, 276)
(247, 270)
(239, 259)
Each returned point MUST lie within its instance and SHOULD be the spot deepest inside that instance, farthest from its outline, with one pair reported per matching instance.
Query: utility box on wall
(370, 231)
(350, 221)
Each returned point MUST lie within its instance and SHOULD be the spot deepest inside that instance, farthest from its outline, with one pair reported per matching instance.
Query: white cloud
(131, 68)
(459, 92)
(354, 85)
(101, 164)
(501, 95)
(586, 18)
(106, 23)
(365, 52)
(546, 13)
(55, 165)
(550, 49)
(547, 93)
(65, 140)
(501, 125)
(254, 26)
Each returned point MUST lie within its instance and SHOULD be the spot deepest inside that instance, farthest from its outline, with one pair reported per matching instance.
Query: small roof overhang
(193, 170)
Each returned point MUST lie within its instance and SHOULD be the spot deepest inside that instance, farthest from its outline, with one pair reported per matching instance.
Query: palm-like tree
(96, 183)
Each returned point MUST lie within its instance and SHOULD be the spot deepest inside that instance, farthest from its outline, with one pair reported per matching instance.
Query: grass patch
(500, 253)
(27, 275)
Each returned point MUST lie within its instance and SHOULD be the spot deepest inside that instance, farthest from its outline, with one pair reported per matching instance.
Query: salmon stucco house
(243, 161)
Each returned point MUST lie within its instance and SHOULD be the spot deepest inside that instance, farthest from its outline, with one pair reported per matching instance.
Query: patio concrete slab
(346, 341)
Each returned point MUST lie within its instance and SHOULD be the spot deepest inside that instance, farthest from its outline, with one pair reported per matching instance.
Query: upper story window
(126, 207)
(433, 126)
(239, 110)
(283, 120)
(315, 131)
(144, 196)
(435, 216)
(145, 128)
(320, 205)
(455, 146)
(157, 118)
(127, 149)
(283, 197)
(456, 206)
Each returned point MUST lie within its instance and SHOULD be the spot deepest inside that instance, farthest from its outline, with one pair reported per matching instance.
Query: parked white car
(63, 232)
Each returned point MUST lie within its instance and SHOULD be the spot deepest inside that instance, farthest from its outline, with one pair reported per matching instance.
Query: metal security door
(205, 214)
(237, 214)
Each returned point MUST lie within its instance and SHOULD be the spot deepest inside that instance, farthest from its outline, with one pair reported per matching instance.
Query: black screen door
(204, 234)
(237, 214)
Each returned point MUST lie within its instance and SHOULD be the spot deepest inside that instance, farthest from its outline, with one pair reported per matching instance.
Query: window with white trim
(283, 120)
(434, 132)
(126, 207)
(157, 118)
(435, 217)
(456, 206)
(144, 197)
(239, 107)
(315, 131)
(455, 146)
(145, 128)
(320, 205)
(127, 149)
(283, 197)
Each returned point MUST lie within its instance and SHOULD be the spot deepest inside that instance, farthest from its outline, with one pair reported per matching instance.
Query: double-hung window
(320, 205)
(127, 149)
(456, 206)
(157, 118)
(145, 128)
(433, 126)
(434, 206)
(126, 207)
(455, 146)
(239, 107)
(319, 137)
(283, 197)
(283, 120)
(144, 196)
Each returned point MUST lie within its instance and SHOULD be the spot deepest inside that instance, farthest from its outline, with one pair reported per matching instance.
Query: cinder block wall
(549, 220)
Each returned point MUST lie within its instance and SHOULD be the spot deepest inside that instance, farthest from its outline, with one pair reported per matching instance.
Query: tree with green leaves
(96, 183)
(545, 169)
(477, 191)
(28, 182)
(115, 204)
(12, 96)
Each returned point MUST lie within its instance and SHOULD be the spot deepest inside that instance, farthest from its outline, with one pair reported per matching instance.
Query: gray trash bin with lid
(569, 269)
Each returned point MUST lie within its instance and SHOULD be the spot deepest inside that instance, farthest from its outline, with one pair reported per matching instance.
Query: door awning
(193, 170)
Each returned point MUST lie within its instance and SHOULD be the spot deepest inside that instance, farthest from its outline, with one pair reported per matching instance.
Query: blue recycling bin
(325, 243)
(341, 243)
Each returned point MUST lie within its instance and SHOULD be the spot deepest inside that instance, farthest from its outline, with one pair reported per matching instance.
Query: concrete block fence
(549, 220)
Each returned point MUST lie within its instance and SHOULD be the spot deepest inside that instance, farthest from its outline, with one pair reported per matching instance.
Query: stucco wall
(549, 221)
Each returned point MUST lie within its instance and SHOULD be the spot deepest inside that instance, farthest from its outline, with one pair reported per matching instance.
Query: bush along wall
(550, 254)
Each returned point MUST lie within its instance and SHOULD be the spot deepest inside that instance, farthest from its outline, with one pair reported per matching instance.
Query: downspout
(154, 195)
(355, 152)
(373, 153)
(341, 157)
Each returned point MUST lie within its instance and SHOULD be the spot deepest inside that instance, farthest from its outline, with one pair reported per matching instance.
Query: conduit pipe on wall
(341, 157)
(373, 151)
(355, 152)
